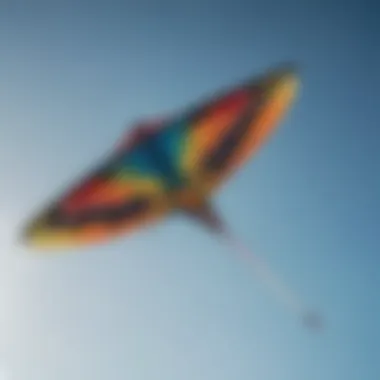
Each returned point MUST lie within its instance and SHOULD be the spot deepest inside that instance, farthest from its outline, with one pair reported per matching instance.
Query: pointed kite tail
(270, 279)
(266, 275)
(208, 216)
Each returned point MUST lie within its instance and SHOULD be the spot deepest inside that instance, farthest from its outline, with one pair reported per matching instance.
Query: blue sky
(171, 303)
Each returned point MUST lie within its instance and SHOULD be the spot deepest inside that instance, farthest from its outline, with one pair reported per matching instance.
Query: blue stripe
(158, 156)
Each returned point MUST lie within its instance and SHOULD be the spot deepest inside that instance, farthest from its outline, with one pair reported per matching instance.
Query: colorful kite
(173, 165)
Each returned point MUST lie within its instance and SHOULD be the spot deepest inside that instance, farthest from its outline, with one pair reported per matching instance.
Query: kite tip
(313, 321)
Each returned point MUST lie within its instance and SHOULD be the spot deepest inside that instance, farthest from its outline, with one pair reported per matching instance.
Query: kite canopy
(173, 165)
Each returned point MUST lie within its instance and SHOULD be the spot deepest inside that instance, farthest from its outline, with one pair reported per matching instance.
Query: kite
(174, 165)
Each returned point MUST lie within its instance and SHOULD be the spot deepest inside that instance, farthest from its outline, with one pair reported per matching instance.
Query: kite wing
(222, 135)
(176, 163)
(125, 193)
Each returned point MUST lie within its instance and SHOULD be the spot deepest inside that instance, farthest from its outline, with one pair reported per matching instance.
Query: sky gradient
(171, 303)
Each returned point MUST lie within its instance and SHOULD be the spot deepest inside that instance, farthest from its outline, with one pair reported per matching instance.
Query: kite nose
(281, 87)
(31, 232)
(27, 233)
(36, 236)
(285, 77)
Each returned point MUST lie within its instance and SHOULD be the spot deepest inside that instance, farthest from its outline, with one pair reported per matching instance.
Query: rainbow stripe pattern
(175, 167)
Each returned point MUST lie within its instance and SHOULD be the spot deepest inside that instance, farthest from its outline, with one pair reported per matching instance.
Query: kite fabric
(167, 165)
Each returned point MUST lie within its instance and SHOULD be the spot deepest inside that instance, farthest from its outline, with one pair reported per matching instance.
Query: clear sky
(171, 303)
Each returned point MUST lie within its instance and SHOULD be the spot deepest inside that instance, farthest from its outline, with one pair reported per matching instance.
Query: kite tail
(262, 270)
(272, 281)
(210, 218)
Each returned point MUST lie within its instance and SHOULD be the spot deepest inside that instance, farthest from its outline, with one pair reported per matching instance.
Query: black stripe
(114, 214)
(231, 141)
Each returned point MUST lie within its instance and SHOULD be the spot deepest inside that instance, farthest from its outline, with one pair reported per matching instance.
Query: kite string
(262, 270)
